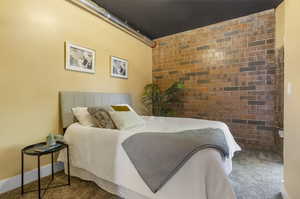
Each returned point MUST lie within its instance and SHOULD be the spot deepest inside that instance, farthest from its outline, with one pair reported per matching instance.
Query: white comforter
(204, 176)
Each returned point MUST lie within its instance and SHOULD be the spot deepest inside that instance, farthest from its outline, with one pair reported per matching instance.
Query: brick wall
(229, 70)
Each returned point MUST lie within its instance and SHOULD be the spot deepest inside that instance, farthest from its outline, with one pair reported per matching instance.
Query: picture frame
(119, 67)
(79, 58)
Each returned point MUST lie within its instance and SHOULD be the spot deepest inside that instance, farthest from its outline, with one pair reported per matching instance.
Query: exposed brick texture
(279, 103)
(229, 70)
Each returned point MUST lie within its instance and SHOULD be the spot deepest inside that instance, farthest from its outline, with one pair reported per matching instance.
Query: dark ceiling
(157, 18)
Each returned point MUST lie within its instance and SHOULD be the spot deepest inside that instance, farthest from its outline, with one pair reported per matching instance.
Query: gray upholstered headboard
(69, 100)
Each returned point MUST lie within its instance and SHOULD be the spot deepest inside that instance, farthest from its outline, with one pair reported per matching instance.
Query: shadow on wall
(279, 104)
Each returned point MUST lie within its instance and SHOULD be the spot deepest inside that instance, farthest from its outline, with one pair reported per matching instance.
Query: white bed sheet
(99, 152)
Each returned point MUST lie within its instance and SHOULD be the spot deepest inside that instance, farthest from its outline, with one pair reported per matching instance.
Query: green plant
(159, 102)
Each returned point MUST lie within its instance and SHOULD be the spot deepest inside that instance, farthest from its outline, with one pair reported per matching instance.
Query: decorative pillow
(101, 117)
(126, 119)
(83, 116)
(120, 108)
(125, 107)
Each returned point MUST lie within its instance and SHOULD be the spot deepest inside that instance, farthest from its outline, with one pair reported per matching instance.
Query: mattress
(98, 155)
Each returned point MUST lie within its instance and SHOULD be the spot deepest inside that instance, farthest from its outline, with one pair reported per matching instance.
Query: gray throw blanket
(158, 156)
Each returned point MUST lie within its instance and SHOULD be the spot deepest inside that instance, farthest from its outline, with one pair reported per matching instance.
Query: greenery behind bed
(162, 102)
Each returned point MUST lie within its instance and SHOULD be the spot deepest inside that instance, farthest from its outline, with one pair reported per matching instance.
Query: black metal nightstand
(30, 150)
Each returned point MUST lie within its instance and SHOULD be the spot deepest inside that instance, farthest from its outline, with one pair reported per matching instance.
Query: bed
(97, 154)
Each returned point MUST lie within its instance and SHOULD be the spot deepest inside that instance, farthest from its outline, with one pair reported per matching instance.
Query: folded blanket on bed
(158, 156)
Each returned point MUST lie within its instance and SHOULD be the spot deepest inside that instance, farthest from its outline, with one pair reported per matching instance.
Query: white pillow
(126, 119)
(83, 116)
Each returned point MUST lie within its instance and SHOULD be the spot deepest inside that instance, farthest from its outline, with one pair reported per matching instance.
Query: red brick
(226, 69)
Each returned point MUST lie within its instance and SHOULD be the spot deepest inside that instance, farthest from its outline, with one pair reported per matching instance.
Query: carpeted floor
(256, 175)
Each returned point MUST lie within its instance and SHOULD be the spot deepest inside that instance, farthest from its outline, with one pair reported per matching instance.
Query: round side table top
(35, 149)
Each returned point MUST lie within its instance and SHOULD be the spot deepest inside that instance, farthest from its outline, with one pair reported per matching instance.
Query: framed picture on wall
(79, 58)
(119, 67)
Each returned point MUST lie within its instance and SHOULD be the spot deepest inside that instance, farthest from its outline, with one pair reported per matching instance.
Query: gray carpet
(257, 175)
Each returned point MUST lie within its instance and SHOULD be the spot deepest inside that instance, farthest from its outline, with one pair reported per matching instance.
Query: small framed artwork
(119, 67)
(79, 58)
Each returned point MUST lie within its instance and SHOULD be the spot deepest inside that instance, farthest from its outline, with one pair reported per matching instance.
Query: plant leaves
(160, 101)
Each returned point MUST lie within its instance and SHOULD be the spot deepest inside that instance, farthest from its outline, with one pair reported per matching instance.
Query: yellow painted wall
(280, 25)
(292, 101)
(32, 36)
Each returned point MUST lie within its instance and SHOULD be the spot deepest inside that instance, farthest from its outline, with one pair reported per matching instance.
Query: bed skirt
(104, 184)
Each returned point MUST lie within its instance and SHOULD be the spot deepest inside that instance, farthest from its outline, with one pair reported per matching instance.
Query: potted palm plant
(161, 102)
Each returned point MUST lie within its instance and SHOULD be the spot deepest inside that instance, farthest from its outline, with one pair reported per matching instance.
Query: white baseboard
(29, 176)
(284, 192)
